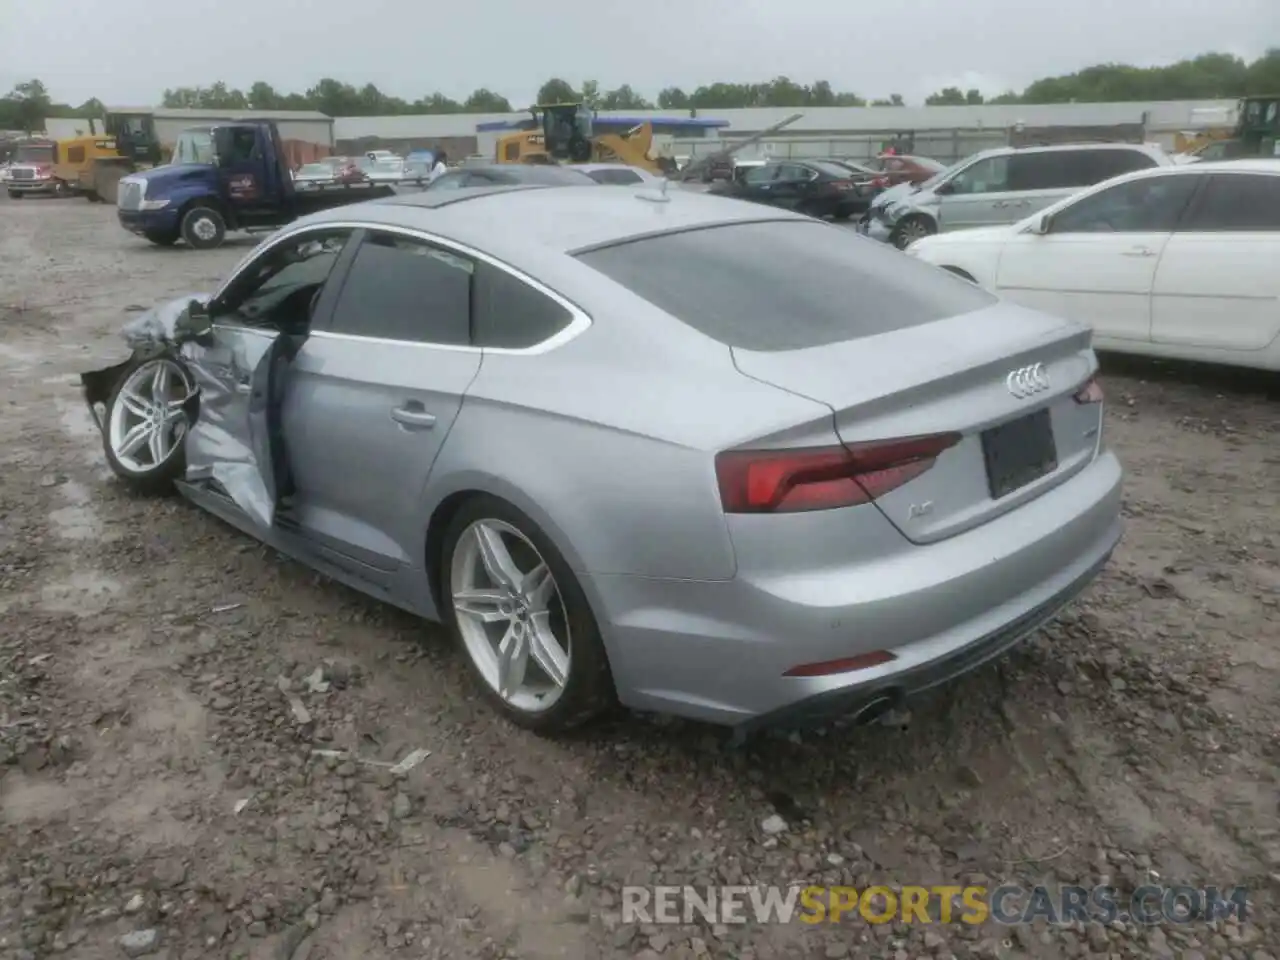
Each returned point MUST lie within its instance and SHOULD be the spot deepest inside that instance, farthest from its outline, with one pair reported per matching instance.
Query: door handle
(1140, 252)
(414, 416)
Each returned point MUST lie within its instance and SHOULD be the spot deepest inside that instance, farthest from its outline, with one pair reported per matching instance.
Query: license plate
(1019, 452)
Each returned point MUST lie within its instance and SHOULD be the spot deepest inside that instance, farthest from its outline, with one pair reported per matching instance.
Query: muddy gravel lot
(161, 795)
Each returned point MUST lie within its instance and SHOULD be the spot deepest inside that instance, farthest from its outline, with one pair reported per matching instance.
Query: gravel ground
(161, 795)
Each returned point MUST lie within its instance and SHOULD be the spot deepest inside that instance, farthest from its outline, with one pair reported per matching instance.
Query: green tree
(673, 98)
(263, 96)
(436, 103)
(624, 98)
(556, 90)
(946, 97)
(29, 106)
(485, 100)
(590, 94)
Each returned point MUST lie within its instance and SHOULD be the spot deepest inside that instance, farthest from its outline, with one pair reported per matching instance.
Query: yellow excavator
(565, 133)
(116, 144)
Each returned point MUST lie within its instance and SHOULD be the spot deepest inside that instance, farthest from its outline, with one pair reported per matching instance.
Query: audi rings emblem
(1027, 381)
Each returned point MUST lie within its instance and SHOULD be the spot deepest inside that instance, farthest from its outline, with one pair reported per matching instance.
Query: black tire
(154, 480)
(162, 239)
(203, 228)
(92, 196)
(842, 215)
(903, 234)
(589, 690)
(15, 194)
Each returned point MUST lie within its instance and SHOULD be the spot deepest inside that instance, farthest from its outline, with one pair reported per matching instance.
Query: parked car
(1000, 186)
(702, 457)
(618, 174)
(328, 170)
(381, 169)
(895, 168)
(812, 187)
(510, 174)
(1176, 261)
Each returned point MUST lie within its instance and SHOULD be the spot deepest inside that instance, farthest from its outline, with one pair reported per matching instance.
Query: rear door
(757, 184)
(259, 324)
(1097, 264)
(1218, 283)
(373, 397)
(792, 185)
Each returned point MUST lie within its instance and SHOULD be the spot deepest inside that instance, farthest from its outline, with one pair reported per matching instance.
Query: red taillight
(823, 478)
(1091, 392)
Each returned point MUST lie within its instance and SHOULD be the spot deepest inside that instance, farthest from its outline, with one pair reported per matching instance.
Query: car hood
(173, 173)
(972, 235)
(890, 194)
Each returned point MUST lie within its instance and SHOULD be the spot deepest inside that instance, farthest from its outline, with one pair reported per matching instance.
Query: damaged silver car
(698, 456)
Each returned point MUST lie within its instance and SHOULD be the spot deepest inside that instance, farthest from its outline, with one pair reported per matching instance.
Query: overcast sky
(126, 52)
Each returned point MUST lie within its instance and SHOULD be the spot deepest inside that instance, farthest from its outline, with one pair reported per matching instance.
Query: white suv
(1000, 186)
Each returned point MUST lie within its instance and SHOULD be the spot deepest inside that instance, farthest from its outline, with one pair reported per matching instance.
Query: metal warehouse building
(947, 132)
(309, 126)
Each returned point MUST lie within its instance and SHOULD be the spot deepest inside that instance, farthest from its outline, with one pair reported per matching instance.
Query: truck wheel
(160, 238)
(15, 195)
(203, 228)
(92, 196)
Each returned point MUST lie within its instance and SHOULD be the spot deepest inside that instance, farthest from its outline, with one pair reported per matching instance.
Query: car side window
(1146, 205)
(401, 288)
(1237, 202)
(794, 173)
(1105, 164)
(278, 289)
(757, 175)
(510, 313)
(985, 176)
(1049, 170)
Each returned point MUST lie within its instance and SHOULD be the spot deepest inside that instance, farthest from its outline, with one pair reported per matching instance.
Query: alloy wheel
(911, 231)
(147, 422)
(511, 615)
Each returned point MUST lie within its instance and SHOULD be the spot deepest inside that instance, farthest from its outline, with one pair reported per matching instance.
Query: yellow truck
(91, 164)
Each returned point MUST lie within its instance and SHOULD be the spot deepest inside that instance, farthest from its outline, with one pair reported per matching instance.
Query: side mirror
(945, 189)
(196, 324)
(1041, 225)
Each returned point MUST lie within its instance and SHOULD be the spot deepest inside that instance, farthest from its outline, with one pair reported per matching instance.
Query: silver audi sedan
(692, 455)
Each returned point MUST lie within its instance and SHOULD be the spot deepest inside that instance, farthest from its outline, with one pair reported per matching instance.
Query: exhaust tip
(878, 708)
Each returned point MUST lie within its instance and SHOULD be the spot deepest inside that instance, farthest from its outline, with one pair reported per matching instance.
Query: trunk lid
(953, 375)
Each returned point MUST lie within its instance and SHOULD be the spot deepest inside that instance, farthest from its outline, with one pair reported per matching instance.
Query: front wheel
(15, 194)
(522, 619)
(911, 229)
(203, 228)
(145, 424)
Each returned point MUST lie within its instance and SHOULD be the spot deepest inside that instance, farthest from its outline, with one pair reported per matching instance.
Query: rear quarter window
(784, 285)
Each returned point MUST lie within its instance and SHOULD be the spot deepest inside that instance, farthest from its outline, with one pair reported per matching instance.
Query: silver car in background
(698, 456)
(1000, 186)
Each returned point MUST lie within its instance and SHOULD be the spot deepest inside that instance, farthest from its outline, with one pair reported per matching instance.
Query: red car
(896, 168)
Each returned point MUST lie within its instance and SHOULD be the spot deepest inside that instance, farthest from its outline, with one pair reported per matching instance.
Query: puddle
(84, 593)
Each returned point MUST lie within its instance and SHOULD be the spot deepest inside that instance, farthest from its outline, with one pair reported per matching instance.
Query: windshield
(194, 146)
(738, 283)
(34, 153)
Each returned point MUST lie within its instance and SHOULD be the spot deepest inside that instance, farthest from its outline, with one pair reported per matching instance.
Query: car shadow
(1237, 381)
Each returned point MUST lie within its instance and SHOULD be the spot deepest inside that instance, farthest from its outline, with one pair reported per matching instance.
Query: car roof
(1059, 147)
(1250, 165)
(590, 167)
(562, 218)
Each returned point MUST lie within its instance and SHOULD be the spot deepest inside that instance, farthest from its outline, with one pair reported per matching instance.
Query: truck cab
(224, 177)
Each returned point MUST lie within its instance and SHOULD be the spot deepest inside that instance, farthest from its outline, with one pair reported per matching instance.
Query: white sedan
(1179, 261)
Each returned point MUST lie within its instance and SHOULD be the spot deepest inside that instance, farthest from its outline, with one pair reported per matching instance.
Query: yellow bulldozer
(565, 133)
(92, 164)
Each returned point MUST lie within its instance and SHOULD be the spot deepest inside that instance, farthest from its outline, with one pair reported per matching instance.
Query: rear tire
(92, 196)
(15, 194)
(587, 689)
(203, 228)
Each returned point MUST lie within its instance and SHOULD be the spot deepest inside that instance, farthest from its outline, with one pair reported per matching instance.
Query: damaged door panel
(238, 347)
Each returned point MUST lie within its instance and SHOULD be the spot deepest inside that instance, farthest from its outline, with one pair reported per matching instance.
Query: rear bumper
(718, 651)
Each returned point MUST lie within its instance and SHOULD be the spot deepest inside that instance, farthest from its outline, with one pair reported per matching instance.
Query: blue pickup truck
(225, 177)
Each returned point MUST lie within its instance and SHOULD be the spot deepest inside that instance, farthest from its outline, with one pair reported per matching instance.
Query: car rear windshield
(784, 285)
